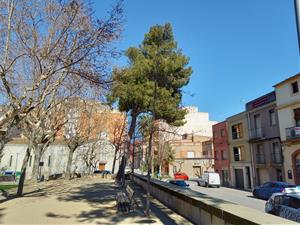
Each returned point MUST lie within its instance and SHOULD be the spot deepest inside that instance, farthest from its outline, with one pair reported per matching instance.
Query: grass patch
(5, 187)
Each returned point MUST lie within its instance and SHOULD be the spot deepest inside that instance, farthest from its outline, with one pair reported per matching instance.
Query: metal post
(16, 166)
(297, 14)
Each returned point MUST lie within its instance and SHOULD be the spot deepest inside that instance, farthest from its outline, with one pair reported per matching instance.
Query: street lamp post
(16, 165)
(297, 14)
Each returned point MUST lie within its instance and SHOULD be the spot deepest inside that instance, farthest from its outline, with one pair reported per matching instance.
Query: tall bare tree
(45, 44)
(119, 135)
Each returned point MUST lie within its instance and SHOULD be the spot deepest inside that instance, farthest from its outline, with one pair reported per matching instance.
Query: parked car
(181, 176)
(285, 205)
(180, 183)
(265, 190)
(102, 171)
(209, 179)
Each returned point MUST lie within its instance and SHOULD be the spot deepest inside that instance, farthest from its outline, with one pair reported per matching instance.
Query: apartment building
(241, 171)
(288, 107)
(193, 155)
(107, 125)
(264, 139)
(221, 152)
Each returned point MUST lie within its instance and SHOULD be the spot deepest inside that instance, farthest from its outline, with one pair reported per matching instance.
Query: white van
(209, 179)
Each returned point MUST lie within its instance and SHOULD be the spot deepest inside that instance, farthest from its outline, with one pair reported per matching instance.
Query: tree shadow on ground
(1, 213)
(101, 196)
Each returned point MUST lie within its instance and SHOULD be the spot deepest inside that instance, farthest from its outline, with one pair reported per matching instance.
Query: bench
(125, 199)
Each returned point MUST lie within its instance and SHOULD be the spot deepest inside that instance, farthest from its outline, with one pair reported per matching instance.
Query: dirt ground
(80, 201)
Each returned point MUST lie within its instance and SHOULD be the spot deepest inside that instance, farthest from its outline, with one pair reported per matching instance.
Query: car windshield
(289, 185)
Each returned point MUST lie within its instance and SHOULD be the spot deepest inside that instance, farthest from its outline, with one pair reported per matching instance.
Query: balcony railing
(292, 133)
(257, 133)
(236, 135)
(277, 158)
(260, 159)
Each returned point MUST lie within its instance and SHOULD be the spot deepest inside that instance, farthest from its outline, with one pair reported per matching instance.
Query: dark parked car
(267, 189)
(285, 205)
(180, 183)
(102, 171)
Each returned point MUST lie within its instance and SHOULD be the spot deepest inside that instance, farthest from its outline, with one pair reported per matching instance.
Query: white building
(54, 159)
(197, 123)
(288, 107)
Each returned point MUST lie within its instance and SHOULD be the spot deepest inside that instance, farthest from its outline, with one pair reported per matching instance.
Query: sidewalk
(84, 200)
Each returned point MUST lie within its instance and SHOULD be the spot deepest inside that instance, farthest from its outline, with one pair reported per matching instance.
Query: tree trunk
(121, 172)
(2, 145)
(36, 163)
(115, 159)
(23, 173)
(69, 164)
(149, 162)
(133, 155)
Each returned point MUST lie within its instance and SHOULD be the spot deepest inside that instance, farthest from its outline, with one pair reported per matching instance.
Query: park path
(79, 201)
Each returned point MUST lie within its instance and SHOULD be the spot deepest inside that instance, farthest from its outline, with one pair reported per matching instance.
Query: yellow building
(240, 152)
(288, 107)
(193, 155)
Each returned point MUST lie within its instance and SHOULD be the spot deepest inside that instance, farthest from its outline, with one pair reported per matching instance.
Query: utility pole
(297, 14)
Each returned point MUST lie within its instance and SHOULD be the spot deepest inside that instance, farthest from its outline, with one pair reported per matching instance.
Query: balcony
(277, 158)
(236, 135)
(260, 159)
(292, 133)
(257, 133)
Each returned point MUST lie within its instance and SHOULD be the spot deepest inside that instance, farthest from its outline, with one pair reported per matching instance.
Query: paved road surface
(232, 195)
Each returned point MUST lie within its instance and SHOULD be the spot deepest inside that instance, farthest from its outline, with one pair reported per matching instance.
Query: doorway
(239, 178)
(101, 166)
(296, 167)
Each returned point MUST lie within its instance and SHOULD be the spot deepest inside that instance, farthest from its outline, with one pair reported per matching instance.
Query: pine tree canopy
(153, 80)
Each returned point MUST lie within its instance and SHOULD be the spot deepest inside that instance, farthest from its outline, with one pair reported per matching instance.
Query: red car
(181, 175)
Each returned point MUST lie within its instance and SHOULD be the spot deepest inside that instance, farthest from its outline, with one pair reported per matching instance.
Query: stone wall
(204, 210)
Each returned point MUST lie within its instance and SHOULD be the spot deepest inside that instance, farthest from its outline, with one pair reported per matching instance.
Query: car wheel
(255, 195)
(218, 186)
(198, 183)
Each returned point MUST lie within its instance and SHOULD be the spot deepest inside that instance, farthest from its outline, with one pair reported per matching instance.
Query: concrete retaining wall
(204, 210)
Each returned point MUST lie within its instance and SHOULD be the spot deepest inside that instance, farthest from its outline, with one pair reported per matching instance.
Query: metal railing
(277, 158)
(292, 132)
(257, 133)
(236, 135)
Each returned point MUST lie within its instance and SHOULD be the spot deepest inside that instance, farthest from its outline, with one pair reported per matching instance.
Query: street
(232, 195)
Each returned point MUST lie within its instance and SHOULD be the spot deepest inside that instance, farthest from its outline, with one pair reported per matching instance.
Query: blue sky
(238, 49)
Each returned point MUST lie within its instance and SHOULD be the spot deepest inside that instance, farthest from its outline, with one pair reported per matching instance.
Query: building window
(224, 154)
(237, 131)
(216, 155)
(295, 88)
(190, 154)
(276, 153)
(222, 133)
(10, 160)
(237, 153)
(49, 160)
(215, 134)
(272, 117)
(279, 175)
(297, 117)
(260, 157)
